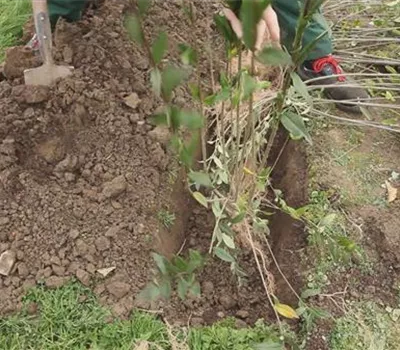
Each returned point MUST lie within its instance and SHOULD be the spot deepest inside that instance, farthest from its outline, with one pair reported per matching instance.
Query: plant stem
(238, 171)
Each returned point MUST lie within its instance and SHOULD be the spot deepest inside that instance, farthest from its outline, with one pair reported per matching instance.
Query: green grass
(332, 243)
(166, 218)
(71, 318)
(366, 326)
(13, 15)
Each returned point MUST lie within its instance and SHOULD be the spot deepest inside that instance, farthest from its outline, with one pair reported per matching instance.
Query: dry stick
(222, 135)
(279, 155)
(279, 268)
(210, 58)
(203, 130)
(238, 129)
(356, 103)
(252, 131)
(250, 239)
(269, 275)
(353, 121)
(216, 225)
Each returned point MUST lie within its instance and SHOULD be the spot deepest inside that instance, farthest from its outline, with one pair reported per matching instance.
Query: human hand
(269, 24)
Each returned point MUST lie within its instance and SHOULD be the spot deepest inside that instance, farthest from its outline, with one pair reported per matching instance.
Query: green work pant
(71, 10)
(288, 12)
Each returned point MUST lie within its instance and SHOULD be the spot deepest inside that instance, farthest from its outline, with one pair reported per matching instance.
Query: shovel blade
(46, 74)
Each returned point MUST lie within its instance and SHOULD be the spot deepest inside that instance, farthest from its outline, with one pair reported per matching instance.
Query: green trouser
(71, 10)
(288, 12)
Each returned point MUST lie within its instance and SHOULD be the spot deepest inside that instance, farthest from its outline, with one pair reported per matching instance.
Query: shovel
(48, 73)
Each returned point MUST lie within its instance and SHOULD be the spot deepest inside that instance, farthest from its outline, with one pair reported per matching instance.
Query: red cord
(319, 64)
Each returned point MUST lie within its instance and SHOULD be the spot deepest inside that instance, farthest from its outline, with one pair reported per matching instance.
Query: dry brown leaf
(392, 192)
(132, 100)
(104, 272)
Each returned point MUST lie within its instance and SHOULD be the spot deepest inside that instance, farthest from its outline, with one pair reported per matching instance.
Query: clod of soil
(83, 174)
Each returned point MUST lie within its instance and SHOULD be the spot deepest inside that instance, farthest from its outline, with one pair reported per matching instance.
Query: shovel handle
(43, 29)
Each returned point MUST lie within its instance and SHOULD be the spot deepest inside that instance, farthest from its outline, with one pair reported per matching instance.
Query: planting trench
(83, 177)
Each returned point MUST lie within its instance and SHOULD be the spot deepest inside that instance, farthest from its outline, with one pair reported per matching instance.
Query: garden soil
(83, 175)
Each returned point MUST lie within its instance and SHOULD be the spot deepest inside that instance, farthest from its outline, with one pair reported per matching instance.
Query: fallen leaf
(286, 311)
(392, 192)
(143, 345)
(248, 171)
(132, 100)
(106, 271)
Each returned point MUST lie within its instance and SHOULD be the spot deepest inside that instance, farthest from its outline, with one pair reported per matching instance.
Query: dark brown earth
(287, 234)
(83, 175)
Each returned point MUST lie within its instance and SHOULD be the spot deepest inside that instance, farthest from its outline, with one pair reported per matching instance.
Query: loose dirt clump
(81, 178)
(83, 174)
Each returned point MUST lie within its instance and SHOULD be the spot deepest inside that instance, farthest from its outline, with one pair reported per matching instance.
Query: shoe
(33, 44)
(340, 91)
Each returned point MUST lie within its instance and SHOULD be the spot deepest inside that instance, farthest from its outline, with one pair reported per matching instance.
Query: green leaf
(223, 255)
(165, 289)
(238, 218)
(268, 345)
(188, 55)
(294, 123)
(191, 119)
(328, 220)
(263, 85)
(132, 25)
(274, 57)
(160, 262)
(300, 87)
(249, 86)
(155, 80)
(195, 289)
(308, 293)
(318, 312)
(159, 119)
(200, 178)
(159, 47)
(250, 14)
(229, 242)
(195, 91)
(220, 96)
(216, 208)
(195, 261)
(226, 228)
(180, 264)
(201, 199)
(171, 78)
(150, 293)
(301, 310)
(225, 29)
(175, 117)
(182, 288)
(143, 6)
(188, 151)
(346, 243)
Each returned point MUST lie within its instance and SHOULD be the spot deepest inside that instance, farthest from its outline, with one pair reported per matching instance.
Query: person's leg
(319, 61)
(71, 10)
(288, 12)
